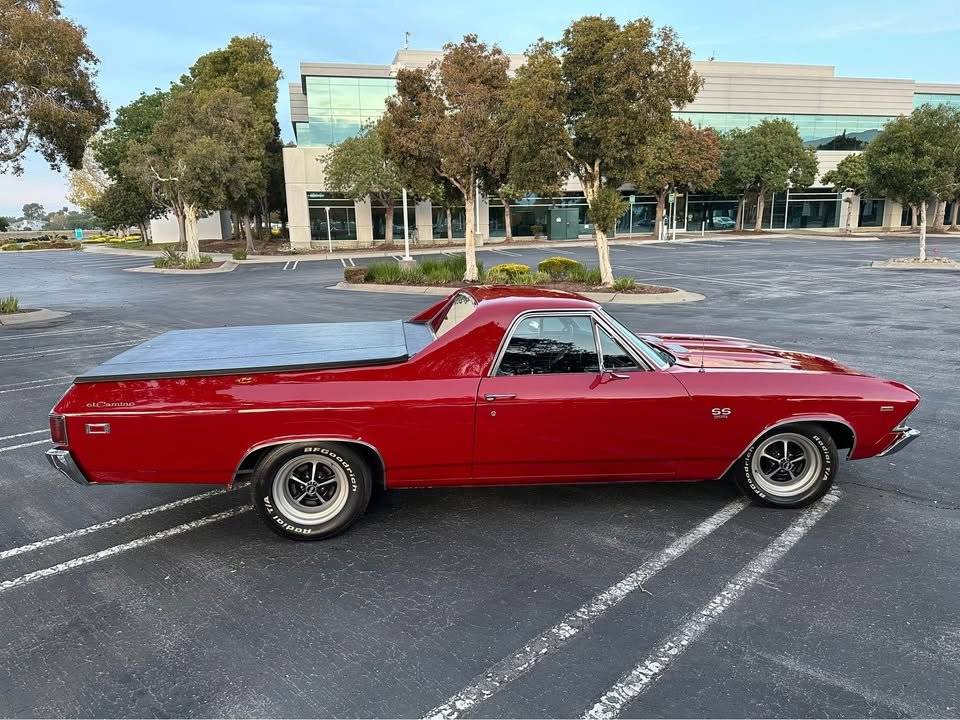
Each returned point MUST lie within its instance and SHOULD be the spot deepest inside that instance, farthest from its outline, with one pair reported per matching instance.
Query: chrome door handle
(491, 397)
(617, 376)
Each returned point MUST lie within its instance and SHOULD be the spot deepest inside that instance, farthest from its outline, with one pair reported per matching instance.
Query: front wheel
(311, 491)
(789, 467)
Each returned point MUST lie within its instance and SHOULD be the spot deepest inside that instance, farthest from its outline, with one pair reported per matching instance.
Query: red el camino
(490, 386)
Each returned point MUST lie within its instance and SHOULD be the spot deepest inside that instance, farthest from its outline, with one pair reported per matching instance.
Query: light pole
(406, 228)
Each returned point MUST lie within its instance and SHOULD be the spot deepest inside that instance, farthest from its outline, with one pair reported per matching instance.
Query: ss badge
(721, 413)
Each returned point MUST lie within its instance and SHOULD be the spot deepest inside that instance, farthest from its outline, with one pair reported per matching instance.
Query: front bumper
(62, 461)
(905, 436)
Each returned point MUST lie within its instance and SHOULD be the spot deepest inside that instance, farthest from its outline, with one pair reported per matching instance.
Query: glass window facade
(935, 99)
(332, 219)
(338, 107)
(821, 132)
(378, 216)
(561, 218)
(871, 212)
(712, 212)
(458, 217)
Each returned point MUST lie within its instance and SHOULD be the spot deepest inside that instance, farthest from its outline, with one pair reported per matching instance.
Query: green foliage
(34, 212)
(133, 123)
(355, 274)
(239, 254)
(679, 157)
(508, 274)
(624, 284)
(4, 223)
(30, 246)
(541, 278)
(124, 203)
(588, 276)
(169, 257)
(358, 167)
(560, 268)
(606, 207)
(429, 272)
(9, 304)
(10, 246)
(49, 102)
(768, 157)
(850, 174)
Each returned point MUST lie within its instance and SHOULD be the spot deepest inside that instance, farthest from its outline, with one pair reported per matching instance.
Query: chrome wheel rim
(310, 489)
(786, 464)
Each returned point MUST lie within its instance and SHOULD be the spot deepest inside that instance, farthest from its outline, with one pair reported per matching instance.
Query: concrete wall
(215, 226)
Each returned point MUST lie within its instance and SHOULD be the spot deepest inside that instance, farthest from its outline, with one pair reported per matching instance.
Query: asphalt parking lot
(642, 600)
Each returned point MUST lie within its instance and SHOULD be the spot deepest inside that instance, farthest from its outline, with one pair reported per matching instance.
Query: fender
(792, 420)
(288, 439)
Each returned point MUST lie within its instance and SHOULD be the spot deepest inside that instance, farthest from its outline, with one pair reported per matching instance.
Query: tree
(611, 88)
(681, 157)
(4, 223)
(442, 123)
(34, 212)
(850, 175)
(198, 154)
(915, 159)
(357, 168)
(48, 100)
(607, 207)
(123, 204)
(88, 182)
(769, 157)
(246, 66)
(445, 196)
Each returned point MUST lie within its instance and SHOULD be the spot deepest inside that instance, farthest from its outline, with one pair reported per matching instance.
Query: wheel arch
(367, 451)
(841, 432)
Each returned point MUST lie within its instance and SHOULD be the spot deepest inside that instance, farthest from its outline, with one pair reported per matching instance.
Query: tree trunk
(192, 233)
(144, 238)
(739, 223)
(258, 220)
(470, 246)
(237, 224)
(938, 215)
(388, 224)
(758, 223)
(507, 227)
(913, 217)
(953, 213)
(661, 211)
(450, 226)
(591, 187)
(248, 234)
(181, 225)
(849, 202)
(923, 231)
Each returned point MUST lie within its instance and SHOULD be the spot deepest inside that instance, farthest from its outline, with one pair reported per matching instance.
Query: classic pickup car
(491, 385)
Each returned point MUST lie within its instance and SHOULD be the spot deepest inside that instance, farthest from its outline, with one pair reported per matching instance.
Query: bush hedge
(355, 274)
(9, 304)
(560, 268)
(510, 274)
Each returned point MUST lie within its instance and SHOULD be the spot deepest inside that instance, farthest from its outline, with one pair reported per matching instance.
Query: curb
(228, 266)
(31, 316)
(887, 265)
(679, 296)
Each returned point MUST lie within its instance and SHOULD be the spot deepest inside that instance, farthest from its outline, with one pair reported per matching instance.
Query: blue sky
(144, 44)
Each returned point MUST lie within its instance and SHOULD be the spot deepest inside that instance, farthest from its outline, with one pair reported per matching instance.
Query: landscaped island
(555, 272)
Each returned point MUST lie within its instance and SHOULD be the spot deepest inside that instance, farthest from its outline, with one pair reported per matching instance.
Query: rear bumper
(62, 461)
(905, 436)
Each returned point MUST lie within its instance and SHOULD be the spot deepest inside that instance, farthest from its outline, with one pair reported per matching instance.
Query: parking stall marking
(32, 382)
(56, 332)
(504, 252)
(51, 351)
(641, 677)
(121, 548)
(47, 542)
(23, 434)
(26, 444)
(35, 387)
(513, 666)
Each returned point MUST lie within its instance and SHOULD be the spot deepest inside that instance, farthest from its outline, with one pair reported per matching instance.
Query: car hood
(713, 351)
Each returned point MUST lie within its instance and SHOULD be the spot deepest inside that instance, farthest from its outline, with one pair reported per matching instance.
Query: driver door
(553, 410)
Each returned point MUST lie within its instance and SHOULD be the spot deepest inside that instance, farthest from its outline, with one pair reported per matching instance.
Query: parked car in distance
(489, 386)
(722, 222)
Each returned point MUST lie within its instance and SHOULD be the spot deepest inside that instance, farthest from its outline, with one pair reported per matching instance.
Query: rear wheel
(311, 491)
(789, 467)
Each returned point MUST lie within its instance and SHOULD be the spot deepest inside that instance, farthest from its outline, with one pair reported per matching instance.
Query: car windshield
(461, 307)
(658, 357)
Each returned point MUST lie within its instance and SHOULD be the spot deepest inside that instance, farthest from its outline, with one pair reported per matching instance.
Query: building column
(483, 210)
(892, 212)
(364, 216)
(424, 222)
(850, 205)
(298, 213)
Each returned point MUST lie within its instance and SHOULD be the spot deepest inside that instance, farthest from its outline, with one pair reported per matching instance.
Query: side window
(615, 357)
(462, 306)
(551, 344)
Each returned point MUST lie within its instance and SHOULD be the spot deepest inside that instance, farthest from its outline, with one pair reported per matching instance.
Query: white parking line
(52, 351)
(41, 380)
(56, 332)
(35, 387)
(295, 263)
(396, 257)
(352, 263)
(23, 445)
(286, 265)
(533, 651)
(47, 542)
(504, 252)
(343, 262)
(117, 549)
(565, 252)
(23, 434)
(635, 682)
(664, 273)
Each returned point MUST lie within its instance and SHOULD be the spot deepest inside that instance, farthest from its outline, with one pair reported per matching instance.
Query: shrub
(9, 304)
(624, 284)
(537, 230)
(10, 246)
(508, 273)
(541, 278)
(583, 274)
(239, 254)
(355, 274)
(386, 273)
(30, 246)
(559, 268)
(205, 259)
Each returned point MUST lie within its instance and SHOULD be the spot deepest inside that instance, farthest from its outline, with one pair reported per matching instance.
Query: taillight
(58, 429)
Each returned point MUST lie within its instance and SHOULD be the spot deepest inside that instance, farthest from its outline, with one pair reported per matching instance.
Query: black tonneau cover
(262, 348)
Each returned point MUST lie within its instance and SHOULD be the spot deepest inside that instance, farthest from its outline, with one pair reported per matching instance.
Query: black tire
(334, 481)
(766, 477)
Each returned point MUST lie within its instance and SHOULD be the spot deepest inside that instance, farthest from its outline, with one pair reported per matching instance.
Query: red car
(490, 386)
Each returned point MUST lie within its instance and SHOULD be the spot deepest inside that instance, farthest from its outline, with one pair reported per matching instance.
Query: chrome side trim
(597, 318)
(907, 436)
(793, 421)
(306, 438)
(62, 462)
